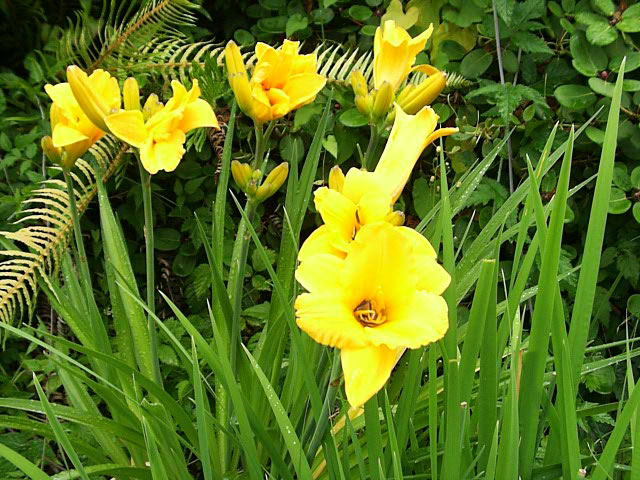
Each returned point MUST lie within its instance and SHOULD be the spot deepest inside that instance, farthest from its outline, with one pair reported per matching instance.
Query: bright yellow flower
(72, 131)
(159, 131)
(394, 53)
(368, 197)
(97, 94)
(382, 298)
(282, 80)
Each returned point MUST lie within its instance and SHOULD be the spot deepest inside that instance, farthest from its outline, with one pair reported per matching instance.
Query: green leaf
(633, 303)
(273, 24)
(296, 22)
(531, 43)
(589, 18)
(631, 85)
(587, 59)
(636, 212)
(601, 87)
(360, 13)
(423, 196)
(475, 63)
(353, 118)
(635, 178)
(166, 239)
(601, 34)
(601, 380)
(606, 7)
(630, 20)
(632, 63)
(575, 97)
(621, 178)
(618, 202)
(33, 472)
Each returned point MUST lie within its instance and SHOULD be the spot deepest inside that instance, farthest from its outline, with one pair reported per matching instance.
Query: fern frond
(48, 228)
(337, 66)
(127, 34)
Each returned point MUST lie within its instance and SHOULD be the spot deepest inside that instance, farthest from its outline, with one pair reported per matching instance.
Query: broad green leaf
(353, 118)
(475, 63)
(618, 202)
(575, 97)
(588, 59)
(601, 87)
(601, 33)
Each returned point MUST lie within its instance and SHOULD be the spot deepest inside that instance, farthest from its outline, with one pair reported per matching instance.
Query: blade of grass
(373, 435)
(534, 362)
(202, 406)
(58, 431)
(27, 467)
(585, 293)
(158, 472)
(433, 412)
(392, 441)
(288, 432)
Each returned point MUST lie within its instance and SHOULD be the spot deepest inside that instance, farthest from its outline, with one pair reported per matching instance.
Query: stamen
(367, 314)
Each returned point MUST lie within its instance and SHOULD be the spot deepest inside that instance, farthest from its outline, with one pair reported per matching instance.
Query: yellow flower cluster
(88, 106)
(394, 57)
(373, 286)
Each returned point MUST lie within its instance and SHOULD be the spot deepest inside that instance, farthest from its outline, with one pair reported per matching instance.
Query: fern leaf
(47, 230)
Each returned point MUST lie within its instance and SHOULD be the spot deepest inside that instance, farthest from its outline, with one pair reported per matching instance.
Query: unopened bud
(359, 84)
(241, 174)
(152, 106)
(336, 179)
(131, 94)
(383, 101)
(395, 218)
(273, 182)
(425, 93)
(238, 78)
(364, 104)
(54, 154)
(94, 107)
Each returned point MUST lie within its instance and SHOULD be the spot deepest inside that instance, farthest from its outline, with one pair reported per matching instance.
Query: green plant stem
(321, 427)
(371, 148)
(77, 231)
(235, 286)
(145, 182)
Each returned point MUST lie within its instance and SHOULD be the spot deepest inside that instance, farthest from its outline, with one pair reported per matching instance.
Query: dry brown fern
(47, 230)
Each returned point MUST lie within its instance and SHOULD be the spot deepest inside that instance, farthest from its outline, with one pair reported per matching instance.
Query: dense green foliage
(556, 66)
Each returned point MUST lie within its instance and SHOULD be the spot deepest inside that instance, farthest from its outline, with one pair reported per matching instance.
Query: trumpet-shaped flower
(72, 131)
(394, 53)
(382, 298)
(282, 80)
(159, 131)
(97, 94)
(368, 197)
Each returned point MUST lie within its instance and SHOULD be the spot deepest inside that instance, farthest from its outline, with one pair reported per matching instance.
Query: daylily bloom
(282, 80)
(72, 131)
(159, 131)
(361, 197)
(385, 296)
(394, 53)
(97, 94)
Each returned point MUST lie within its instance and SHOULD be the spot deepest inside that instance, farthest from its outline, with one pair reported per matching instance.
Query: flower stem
(374, 138)
(77, 231)
(235, 287)
(145, 181)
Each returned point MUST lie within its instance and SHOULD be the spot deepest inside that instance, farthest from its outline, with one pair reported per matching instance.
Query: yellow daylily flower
(72, 131)
(97, 94)
(384, 297)
(159, 131)
(366, 197)
(394, 53)
(282, 80)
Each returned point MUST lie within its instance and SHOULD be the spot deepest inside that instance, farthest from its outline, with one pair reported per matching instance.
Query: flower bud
(131, 94)
(238, 79)
(94, 107)
(152, 106)
(359, 84)
(424, 93)
(54, 154)
(364, 104)
(273, 182)
(383, 101)
(336, 179)
(241, 174)
(395, 218)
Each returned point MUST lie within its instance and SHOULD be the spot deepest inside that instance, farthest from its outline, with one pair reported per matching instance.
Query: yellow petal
(337, 211)
(131, 93)
(238, 78)
(261, 107)
(409, 137)
(327, 320)
(417, 44)
(128, 126)
(303, 88)
(63, 135)
(374, 207)
(430, 276)
(336, 179)
(87, 94)
(170, 151)
(304, 64)
(441, 132)
(319, 273)
(62, 95)
(277, 96)
(418, 242)
(321, 241)
(366, 370)
(198, 114)
(358, 183)
(418, 320)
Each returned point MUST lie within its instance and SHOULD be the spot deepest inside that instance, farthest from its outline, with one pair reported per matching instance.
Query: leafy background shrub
(556, 63)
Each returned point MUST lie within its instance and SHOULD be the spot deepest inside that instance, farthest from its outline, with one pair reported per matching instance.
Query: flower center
(370, 313)
(356, 226)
